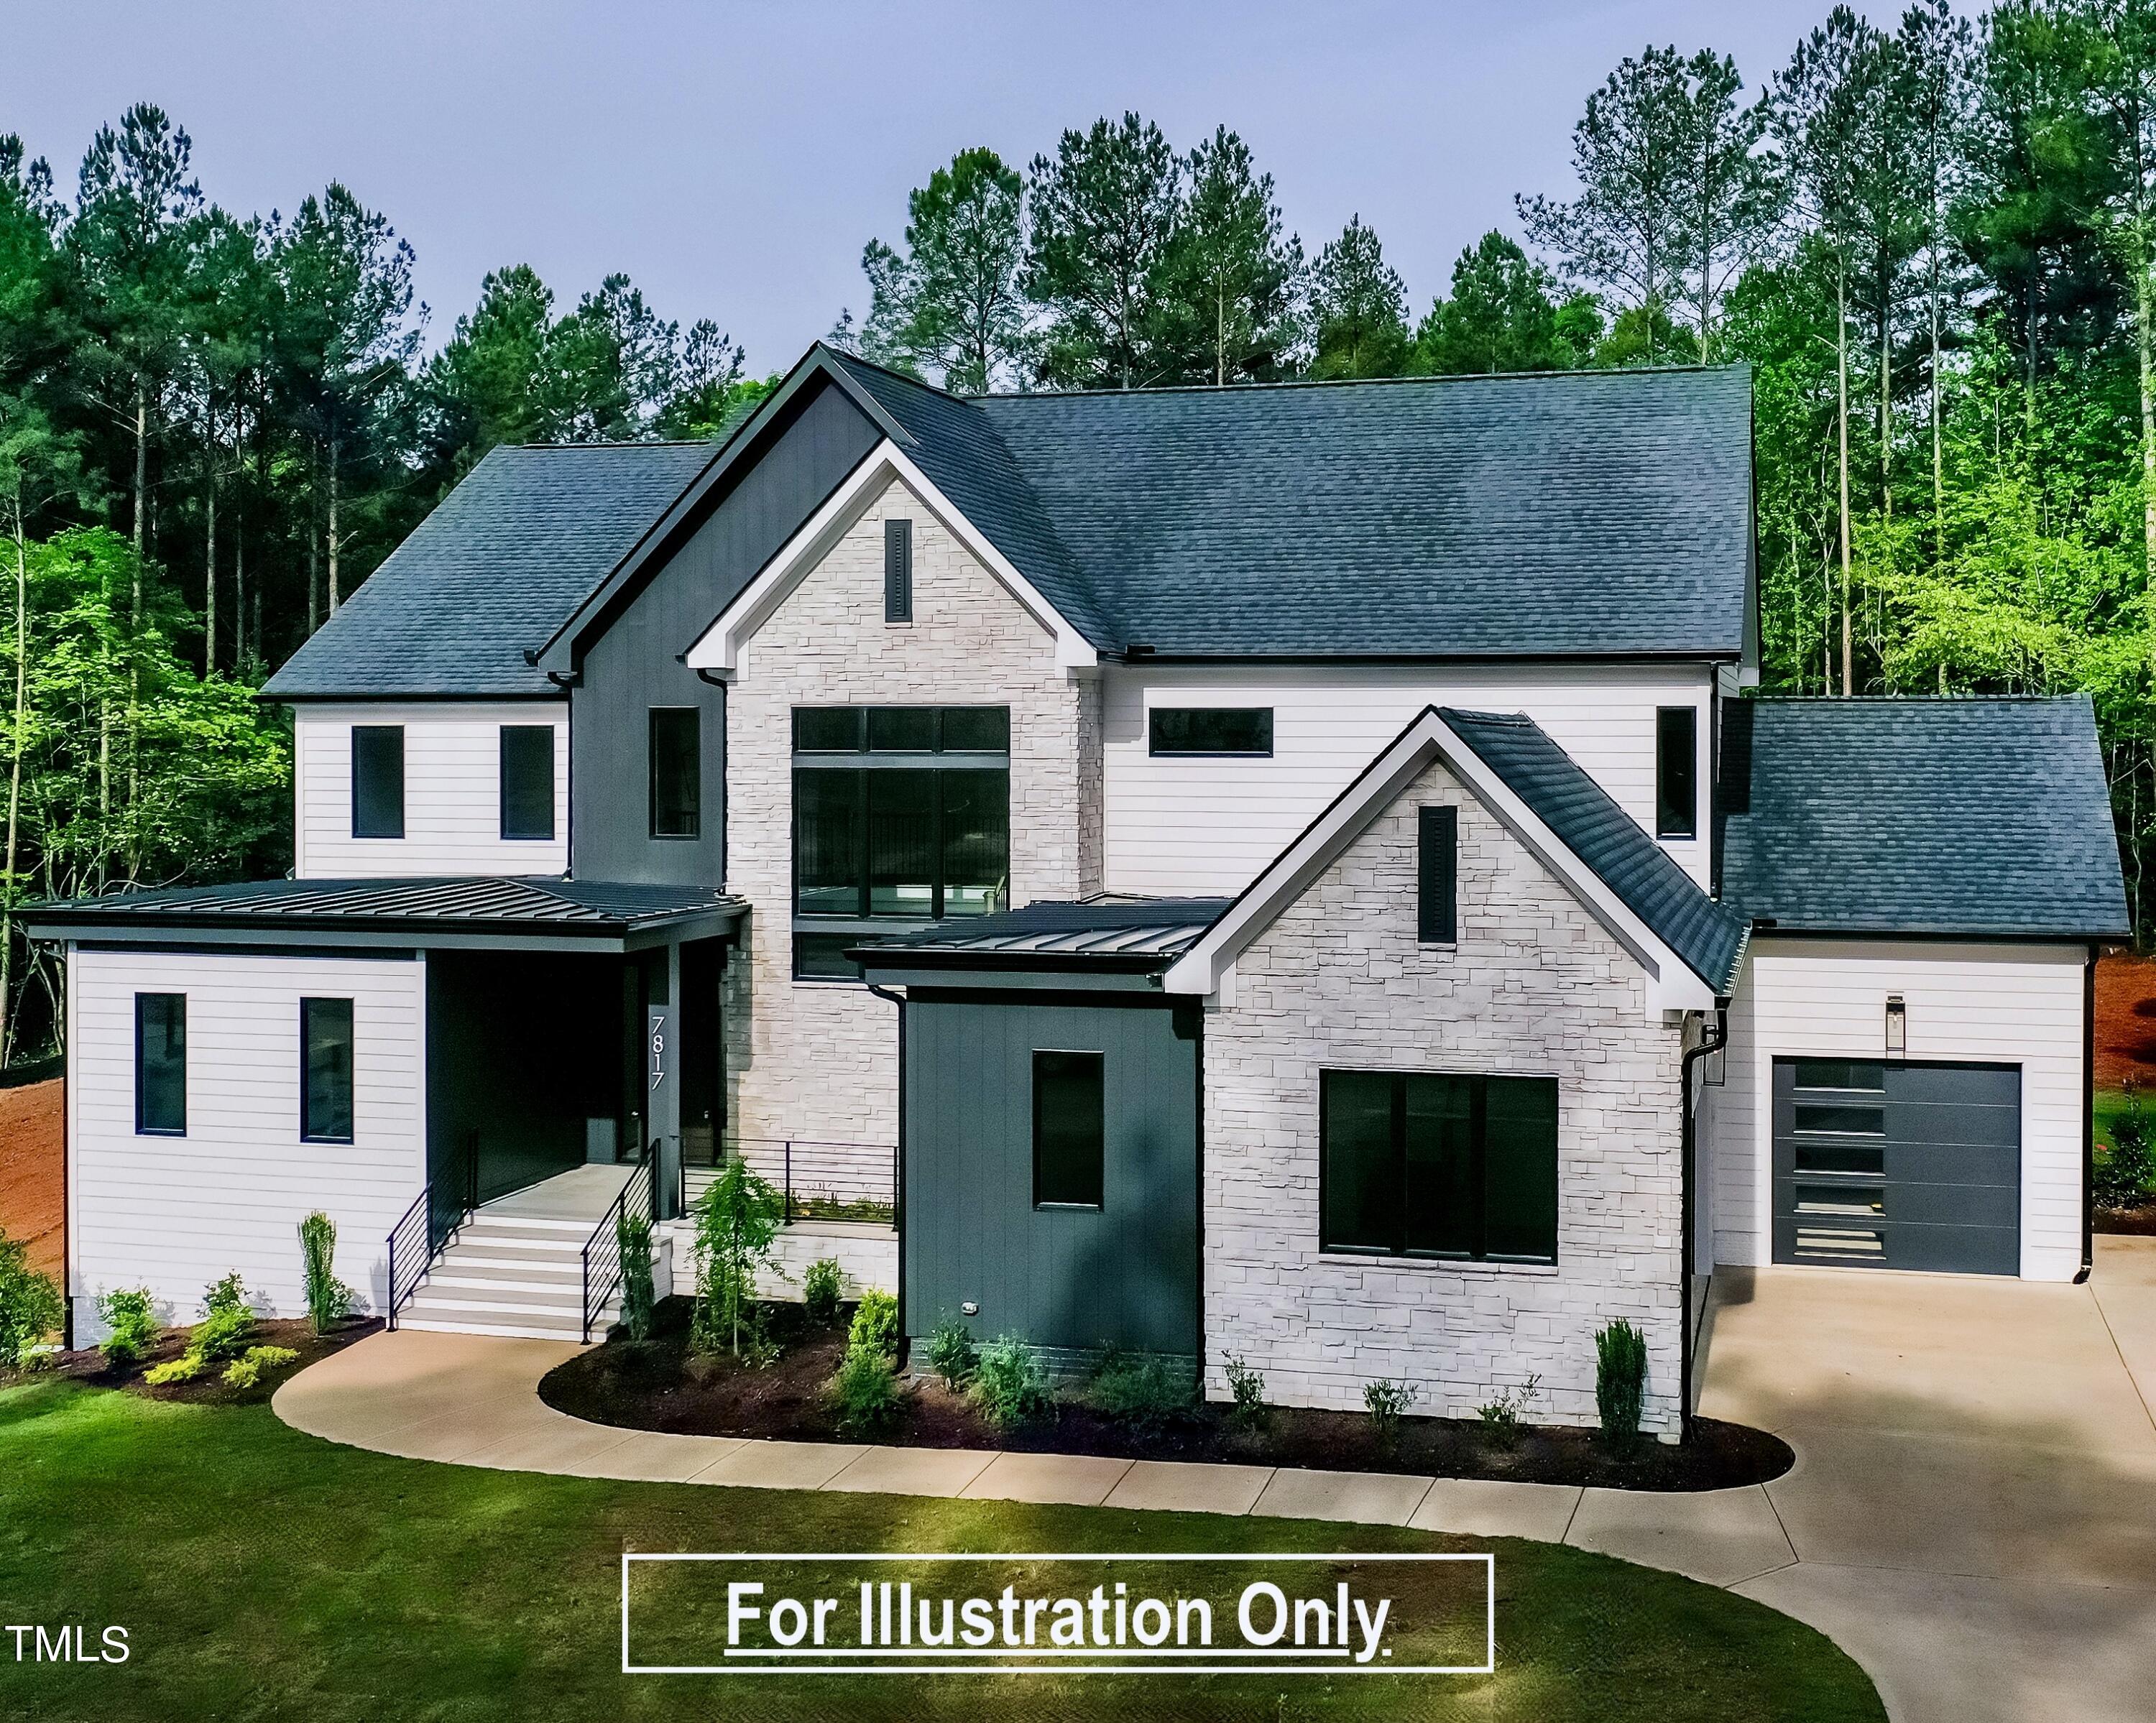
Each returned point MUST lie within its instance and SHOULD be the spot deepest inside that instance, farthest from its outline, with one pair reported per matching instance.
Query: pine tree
(950, 306)
(1500, 317)
(1230, 289)
(1359, 303)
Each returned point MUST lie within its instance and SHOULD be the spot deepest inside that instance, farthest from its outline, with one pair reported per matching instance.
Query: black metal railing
(822, 1180)
(638, 1195)
(426, 1228)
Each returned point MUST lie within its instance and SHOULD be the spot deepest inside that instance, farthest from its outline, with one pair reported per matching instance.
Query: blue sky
(734, 158)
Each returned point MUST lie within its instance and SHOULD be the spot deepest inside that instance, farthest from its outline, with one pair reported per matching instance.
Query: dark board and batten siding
(1062, 1279)
(633, 662)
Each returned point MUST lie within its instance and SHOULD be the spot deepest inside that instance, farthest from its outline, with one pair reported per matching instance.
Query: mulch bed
(209, 1389)
(2133, 1222)
(656, 1385)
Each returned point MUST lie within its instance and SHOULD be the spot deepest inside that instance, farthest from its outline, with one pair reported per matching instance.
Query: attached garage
(1897, 1165)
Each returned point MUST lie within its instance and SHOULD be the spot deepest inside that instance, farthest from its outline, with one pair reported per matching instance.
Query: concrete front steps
(521, 1276)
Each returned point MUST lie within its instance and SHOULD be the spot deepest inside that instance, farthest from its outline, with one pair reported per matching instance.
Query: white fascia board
(1671, 983)
(718, 648)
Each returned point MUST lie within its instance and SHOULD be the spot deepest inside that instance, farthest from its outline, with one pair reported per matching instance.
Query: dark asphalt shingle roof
(492, 571)
(1921, 816)
(1120, 930)
(1708, 936)
(564, 906)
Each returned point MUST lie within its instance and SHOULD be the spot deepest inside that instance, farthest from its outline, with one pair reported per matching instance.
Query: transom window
(901, 816)
(1442, 1165)
(1210, 729)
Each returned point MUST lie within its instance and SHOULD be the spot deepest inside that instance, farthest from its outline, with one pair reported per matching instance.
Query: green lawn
(265, 1574)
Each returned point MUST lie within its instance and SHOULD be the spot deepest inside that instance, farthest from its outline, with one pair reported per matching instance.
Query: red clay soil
(33, 1162)
(2126, 1022)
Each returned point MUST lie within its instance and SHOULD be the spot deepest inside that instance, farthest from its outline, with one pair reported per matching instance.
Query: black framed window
(1210, 729)
(161, 1064)
(898, 571)
(1676, 772)
(1447, 1166)
(326, 1069)
(377, 780)
(1069, 1130)
(527, 781)
(1437, 876)
(913, 826)
(677, 771)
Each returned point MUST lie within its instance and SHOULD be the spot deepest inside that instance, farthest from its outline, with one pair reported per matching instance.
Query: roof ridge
(1333, 383)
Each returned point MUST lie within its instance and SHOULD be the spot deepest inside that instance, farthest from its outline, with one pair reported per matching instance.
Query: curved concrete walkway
(1972, 1514)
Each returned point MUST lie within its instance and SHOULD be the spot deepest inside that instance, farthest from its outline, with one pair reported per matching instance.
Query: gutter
(1714, 1042)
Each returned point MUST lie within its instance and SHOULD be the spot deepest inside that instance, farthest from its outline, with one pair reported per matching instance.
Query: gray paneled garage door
(1897, 1165)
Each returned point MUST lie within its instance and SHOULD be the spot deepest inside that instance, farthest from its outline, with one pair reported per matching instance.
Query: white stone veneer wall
(1535, 986)
(819, 1059)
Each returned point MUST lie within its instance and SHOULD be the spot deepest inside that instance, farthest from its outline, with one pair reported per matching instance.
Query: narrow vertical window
(1437, 869)
(1677, 772)
(377, 780)
(527, 781)
(161, 1064)
(898, 571)
(1069, 1131)
(326, 1060)
(676, 771)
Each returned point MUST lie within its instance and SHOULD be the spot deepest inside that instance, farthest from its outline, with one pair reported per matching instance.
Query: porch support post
(662, 1065)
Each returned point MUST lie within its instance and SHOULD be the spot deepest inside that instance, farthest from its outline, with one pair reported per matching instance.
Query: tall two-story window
(527, 782)
(676, 756)
(377, 780)
(901, 817)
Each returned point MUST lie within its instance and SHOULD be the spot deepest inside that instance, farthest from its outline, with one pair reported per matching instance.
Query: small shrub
(329, 1300)
(223, 1333)
(820, 1287)
(131, 1326)
(633, 1232)
(1139, 1389)
(759, 1346)
(865, 1391)
(184, 1368)
(951, 1353)
(222, 1297)
(1387, 1402)
(1621, 1380)
(1502, 1417)
(1010, 1387)
(30, 1306)
(245, 1372)
(875, 1323)
(2125, 1172)
(1248, 1388)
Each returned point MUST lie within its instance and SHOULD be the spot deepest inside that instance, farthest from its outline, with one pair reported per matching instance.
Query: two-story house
(1286, 872)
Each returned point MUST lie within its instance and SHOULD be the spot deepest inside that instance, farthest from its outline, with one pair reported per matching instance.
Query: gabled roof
(506, 911)
(1937, 817)
(492, 572)
(1690, 947)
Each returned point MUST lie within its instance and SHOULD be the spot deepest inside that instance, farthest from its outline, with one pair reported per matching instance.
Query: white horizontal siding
(452, 792)
(1210, 825)
(1982, 1003)
(174, 1213)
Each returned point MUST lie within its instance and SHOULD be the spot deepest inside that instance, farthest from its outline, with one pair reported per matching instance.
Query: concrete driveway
(1974, 1507)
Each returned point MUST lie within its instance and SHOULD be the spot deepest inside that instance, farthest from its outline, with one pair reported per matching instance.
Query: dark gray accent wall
(1060, 1278)
(632, 661)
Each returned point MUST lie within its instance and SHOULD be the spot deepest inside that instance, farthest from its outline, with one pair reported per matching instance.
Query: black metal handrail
(603, 1249)
(822, 1180)
(426, 1228)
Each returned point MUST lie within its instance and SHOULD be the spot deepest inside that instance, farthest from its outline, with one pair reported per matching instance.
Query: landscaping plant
(245, 1372)
(1010, 1387)
(738, 1220)
(1247, 1386)
(222, 1333)
(820, 1287)
(633, 1234)
(1140, 1389)
(1502, 1417)
(875, 1323)
(865, 1391)
(329, 1300)
(2125, 1172)
(30, 1306)
(1621, 1380)
(131, 1325)
(1387, 1402)
(951, 1353)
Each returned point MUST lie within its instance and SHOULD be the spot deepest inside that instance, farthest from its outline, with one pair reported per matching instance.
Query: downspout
(1715, 1040)
(898, 1172)
(2088, 1117)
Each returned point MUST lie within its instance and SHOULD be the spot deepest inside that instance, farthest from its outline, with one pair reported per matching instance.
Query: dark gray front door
(1898, 1164)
